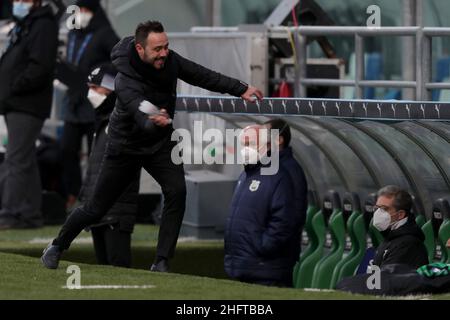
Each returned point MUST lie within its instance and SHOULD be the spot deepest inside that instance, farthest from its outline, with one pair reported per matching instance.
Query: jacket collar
(286, 153)
(410, 228)
(283, 154)
(36, 13)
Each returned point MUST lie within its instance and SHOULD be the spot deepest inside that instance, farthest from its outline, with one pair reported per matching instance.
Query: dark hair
(283, 127)
(92, 5)
(402, 198)
(145, 28)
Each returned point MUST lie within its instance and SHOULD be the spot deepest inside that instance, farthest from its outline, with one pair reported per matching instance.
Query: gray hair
(402, 198)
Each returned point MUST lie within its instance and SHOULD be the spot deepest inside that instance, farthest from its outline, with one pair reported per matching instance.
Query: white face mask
(249, 155)
(381, 219)
(96, 98)
(84, 19)
(21, 9)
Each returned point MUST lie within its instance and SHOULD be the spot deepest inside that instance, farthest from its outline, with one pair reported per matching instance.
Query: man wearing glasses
(403, 239)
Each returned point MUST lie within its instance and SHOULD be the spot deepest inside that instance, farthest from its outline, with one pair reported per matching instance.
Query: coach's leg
(171, 178)
(116, 174)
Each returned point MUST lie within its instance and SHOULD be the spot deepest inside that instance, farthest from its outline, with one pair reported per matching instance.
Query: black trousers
(71, 139)
(20, 183)
(112, 246)
(117, 172)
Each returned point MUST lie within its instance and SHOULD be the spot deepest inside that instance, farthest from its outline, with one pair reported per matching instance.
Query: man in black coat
(26, 89)
(89, 45)
(140, 135)
(403, 239)
(112, 235)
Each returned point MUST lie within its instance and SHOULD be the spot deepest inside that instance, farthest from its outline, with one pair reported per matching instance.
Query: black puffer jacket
(130, 130)
(396, 280)
(27, 67)
(98, 39)
(124, 211)
(403, 246)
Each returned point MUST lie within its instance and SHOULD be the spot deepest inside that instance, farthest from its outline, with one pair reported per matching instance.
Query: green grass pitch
(197, 272)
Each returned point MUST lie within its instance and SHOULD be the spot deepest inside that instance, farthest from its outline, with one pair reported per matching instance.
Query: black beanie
(89, 4)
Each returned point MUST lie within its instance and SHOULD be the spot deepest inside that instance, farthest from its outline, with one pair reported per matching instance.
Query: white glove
(148, 108)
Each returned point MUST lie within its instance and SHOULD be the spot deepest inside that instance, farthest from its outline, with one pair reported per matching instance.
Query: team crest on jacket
(254, 185)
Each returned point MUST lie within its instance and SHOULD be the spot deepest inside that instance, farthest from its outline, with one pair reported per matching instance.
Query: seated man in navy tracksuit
(262, 238)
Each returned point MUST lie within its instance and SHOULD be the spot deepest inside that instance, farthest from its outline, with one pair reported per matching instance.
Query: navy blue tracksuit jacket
(262, 238)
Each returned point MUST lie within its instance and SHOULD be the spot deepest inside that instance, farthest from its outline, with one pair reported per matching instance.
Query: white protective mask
(96, 98)
(250, 155)
(381, 220)
(84, 19)
(21, 9)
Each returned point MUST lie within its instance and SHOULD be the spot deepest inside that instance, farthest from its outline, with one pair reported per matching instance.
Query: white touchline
(318, 290)
(96, 287)
(80, 240)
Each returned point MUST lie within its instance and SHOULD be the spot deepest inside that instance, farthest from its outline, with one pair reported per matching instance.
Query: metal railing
(423, 39)
(335, 108)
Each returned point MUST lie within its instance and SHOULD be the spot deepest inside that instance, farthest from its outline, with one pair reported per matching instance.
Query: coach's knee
(88, 210)
(176, 192)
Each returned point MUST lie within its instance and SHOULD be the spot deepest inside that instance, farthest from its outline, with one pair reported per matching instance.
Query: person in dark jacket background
(88, 46)
(295, 171)
(140, 133)
(5, 9)
(262, 237)
(26, 88)
(403, 239)
(112, 235)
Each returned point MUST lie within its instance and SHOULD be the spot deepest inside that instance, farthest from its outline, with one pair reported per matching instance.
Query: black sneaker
(161, 266)
(51, 256)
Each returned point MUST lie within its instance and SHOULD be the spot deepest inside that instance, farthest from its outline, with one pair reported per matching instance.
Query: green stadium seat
(429, 242)
(420, 220)
(442, 208)
(319, 227)
(323, 271)
(431, 229)
(357, 232)
(444, 236)
(313, 241)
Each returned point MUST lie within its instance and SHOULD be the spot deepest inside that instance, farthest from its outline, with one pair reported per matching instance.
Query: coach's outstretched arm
(200, 76)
